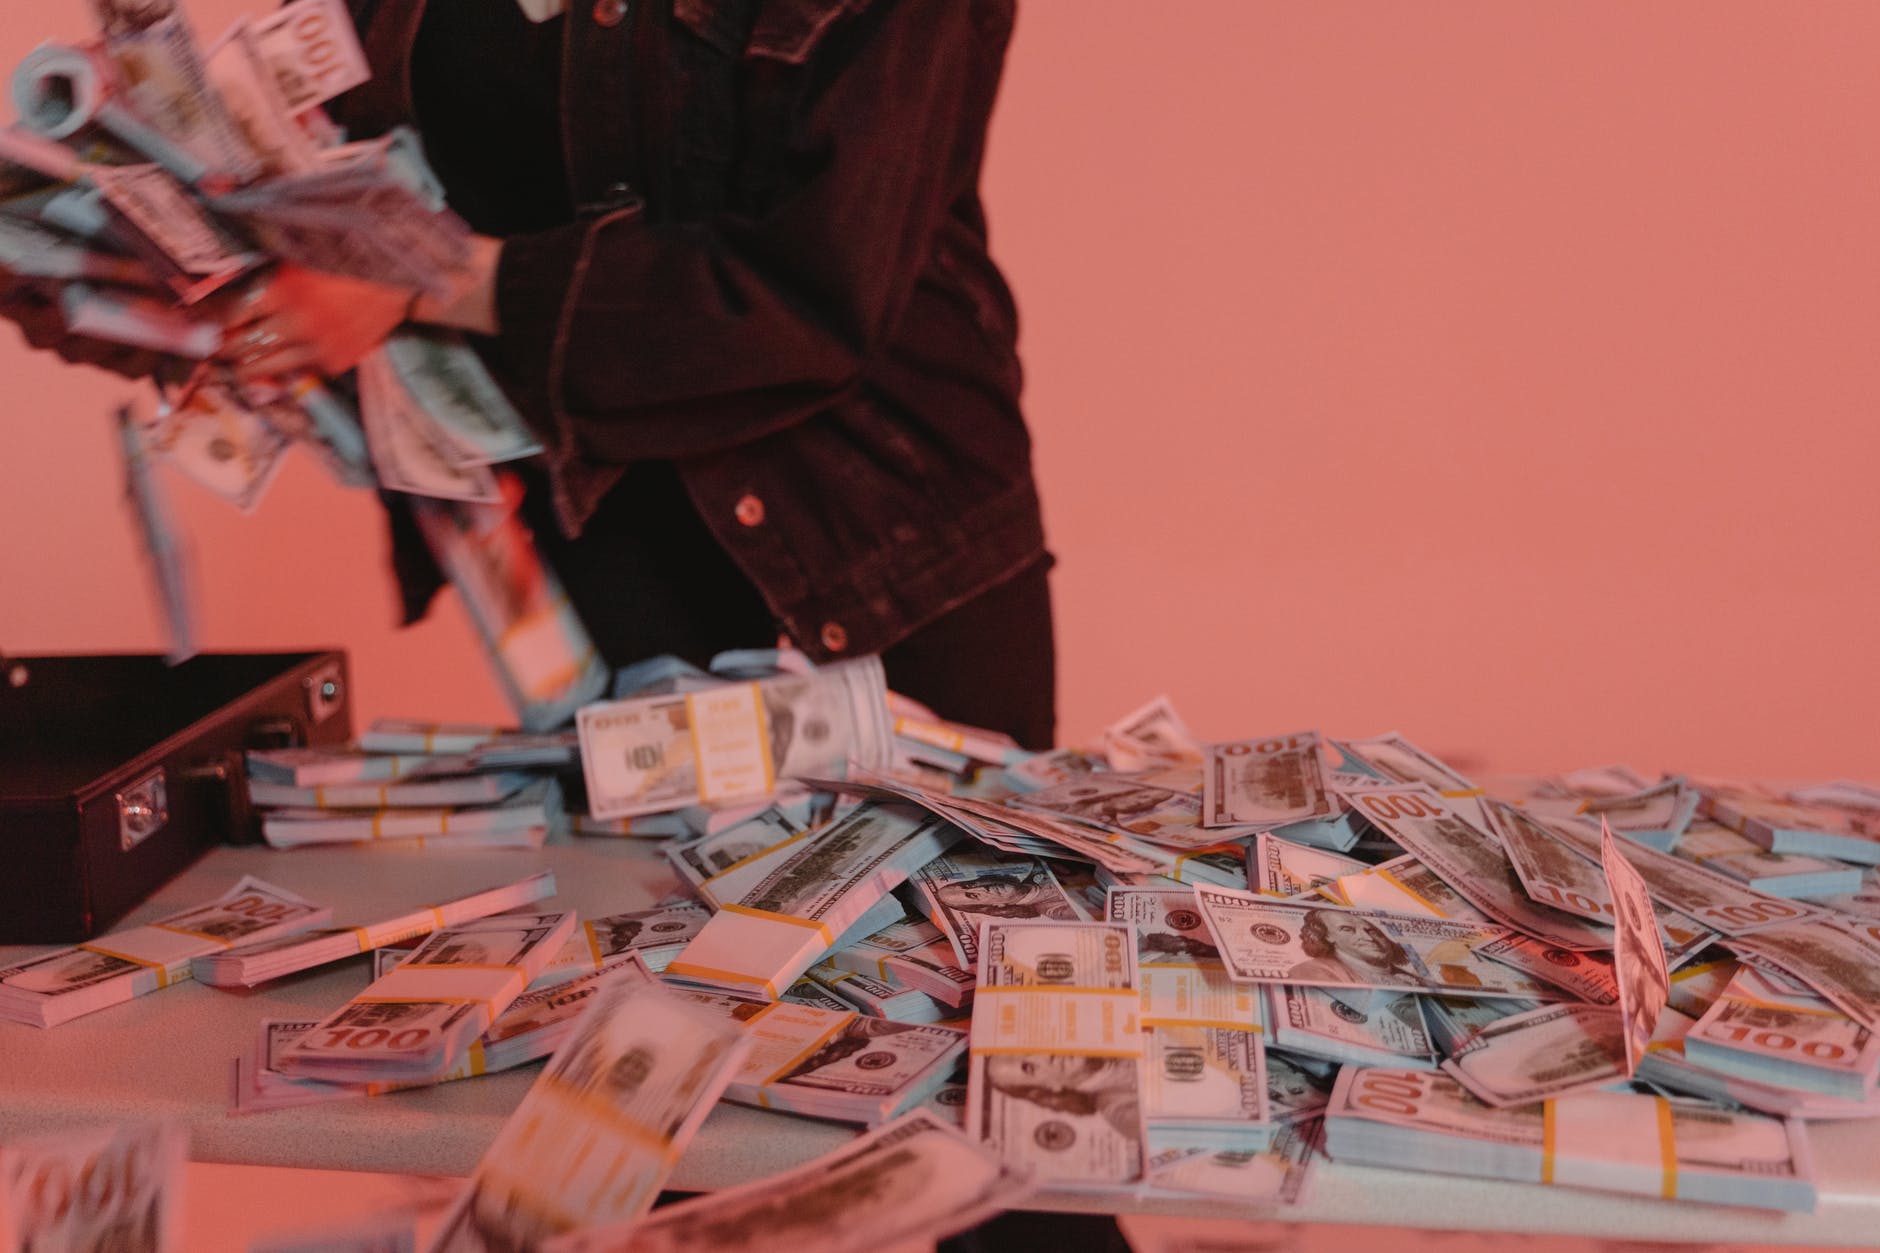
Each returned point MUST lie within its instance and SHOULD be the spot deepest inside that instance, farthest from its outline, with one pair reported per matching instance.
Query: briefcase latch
(143, 808)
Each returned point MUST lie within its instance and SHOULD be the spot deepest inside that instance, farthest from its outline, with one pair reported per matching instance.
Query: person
(731, 263)
(1342, 947)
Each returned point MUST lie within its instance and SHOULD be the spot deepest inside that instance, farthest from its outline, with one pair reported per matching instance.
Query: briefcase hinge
(143, 808)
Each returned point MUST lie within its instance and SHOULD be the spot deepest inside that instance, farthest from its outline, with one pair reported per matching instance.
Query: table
(171, 1055)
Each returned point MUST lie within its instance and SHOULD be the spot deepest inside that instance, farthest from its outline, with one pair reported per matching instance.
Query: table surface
(171, 1055)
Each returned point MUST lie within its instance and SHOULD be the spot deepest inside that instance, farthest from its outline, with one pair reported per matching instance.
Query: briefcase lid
(69, 724)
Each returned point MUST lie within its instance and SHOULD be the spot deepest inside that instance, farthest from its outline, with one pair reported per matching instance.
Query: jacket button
(750, 510)
(609, 12)
(834, 638)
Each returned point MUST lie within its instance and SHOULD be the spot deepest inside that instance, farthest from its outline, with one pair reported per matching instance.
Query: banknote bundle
(806, 896)
(732, 741)
(99, 1188)
(1058, 1052)
(533, 1026)
(415, 785)
(909, 1184)
(260, 961)
(1204, 1051)
(603, 1124)
(836, 1064)
(876, 998)
(1760, 1032)
(909, 953)
(61, 985)
(420, 1019)
(1613, 1141)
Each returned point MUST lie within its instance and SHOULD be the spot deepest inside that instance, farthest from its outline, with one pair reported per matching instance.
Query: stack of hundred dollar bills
(1148, 967)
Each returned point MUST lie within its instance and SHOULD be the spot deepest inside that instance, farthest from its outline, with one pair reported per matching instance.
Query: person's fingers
(241, 345)
(287, 359)
(241, 306)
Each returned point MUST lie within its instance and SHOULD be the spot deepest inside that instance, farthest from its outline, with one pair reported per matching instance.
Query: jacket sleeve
(657, 340)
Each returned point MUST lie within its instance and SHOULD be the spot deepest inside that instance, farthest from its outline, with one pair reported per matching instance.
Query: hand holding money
(292, 319)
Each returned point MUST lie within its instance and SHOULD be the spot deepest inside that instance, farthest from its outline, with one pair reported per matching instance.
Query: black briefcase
(117, 772)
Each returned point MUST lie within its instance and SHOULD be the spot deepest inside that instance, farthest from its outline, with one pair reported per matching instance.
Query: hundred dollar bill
(101, 1188)
(909, 1184)
(1542, 1053)
(418, 1020)
(1151, 736)
(734, 741)
(601, 1128)
(1279, 867)
(911, 953)
(1400, 761)
(1717, 902)
(876, 998)
(1840, 962)
(408, 453)
(1471, 861)
(1405, 886)
(458, 396)
(1561, 876)
(1668, 1068)
(1127, 806)
(239, 70)
(312, 52)
(832, 1063)
(1367, 1027)
(1754, 1031)
(961, 889)
(1655, 816)
(217, 442)
(169, 567)
(810, 895)
(1268, 941)
(1265, 781)
(1452, 1020)
(1638, 955)
(534, 1026)
(717, 864)
(61, 985)
(258, 961)
(1613, 1141)
(1056, 1083)
(545, 659)
(161, 67)
(1277, 1173)
(1205, 1055)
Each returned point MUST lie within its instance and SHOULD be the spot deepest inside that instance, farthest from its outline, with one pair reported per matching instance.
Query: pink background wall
(1504, 374)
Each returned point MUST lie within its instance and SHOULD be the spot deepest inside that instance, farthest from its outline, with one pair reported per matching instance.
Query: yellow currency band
(1667, 1148)
(594, 944)
(1221, 1024)
(715, 975)
(1547, 1141)
(478, 1060)
(163, 972)
(995, 1050)
(811, 923)
(194, 935)
(762, 852)
(604, 1111)
(1399, 884)
(1029, 988)
(815, 1044)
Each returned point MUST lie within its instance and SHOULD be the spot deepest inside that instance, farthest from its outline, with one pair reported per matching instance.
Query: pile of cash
(1153, 967)
(415, 785)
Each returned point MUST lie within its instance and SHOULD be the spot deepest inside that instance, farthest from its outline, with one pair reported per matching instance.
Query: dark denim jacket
(778, 280)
